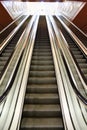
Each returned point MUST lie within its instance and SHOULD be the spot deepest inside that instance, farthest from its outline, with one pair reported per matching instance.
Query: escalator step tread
(79, 56)
(81, 60)
(44, 67)
(83, 65)
(42, 54)
(42, 80)
(84, 70)
(42, 73)
(49, 88)
(50, 62)
(41, 57)
(42, 47)
(42, 124)
(47, 98)
(45, 110)
(42, 96)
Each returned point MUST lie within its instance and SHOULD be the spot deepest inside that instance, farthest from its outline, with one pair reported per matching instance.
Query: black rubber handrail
(9, 86)
(77, 92)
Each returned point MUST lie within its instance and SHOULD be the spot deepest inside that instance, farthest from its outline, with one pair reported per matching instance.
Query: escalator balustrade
(76, 51)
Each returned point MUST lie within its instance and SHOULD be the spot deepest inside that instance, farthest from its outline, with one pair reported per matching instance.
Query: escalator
(42, 110)
(9, 49)
(79, 56)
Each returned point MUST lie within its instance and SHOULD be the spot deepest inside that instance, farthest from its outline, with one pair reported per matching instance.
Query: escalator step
(35, 62)
(74, 49)
(41, 57)
(4, 58)
(42, 54)
(36, 110)
(2, 63)
(42, 50)
(6, 54)
(84, 70)
(47, 98)
(47, 88)
(42, 67)
(77, 52)
(42, 124)
(81, 60)
(79, 56)
(42, 80)
(83, 65)
(42, 47)
(42, 73)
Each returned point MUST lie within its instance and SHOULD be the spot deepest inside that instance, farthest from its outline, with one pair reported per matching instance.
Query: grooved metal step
(41, 62)
(42, 47)
(42, 124)
(42, 80)
(42, 73)
(39, 110)
(42, 57)
(45, 67)
(47, 98)
(47, 88)
(42, 54)
(42, 50)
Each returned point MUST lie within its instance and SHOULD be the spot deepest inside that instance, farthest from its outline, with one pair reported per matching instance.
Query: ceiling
(51, 0)
(45, 0)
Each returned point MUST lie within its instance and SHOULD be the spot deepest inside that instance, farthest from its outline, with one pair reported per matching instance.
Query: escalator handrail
(77, 92)
(78, 41)
(10, 36)
(13, 74)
